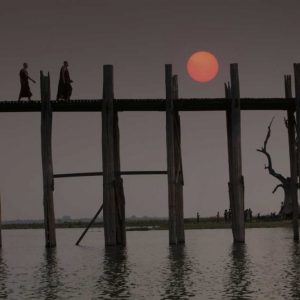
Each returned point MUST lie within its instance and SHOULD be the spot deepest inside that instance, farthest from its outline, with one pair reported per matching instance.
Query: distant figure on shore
(225, 215)
(198, 217)
(218, 216)
(229, 214)
(64, 86)
(25, 91)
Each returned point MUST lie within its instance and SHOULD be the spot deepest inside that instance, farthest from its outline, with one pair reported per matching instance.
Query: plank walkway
(90, 105)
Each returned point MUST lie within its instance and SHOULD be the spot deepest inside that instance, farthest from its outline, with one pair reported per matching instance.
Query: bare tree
(285, 182)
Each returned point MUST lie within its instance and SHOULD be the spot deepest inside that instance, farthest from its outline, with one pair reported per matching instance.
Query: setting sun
(202, 66)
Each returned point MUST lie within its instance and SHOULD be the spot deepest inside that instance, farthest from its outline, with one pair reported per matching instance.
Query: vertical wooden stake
(297, 167)
(0, 222)
(113, 192)
(174, 161)
(236, 184)
(48, 183)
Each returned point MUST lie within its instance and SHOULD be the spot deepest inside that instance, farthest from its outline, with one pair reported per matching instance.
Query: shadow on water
(294, 273)
(178, 284)
(3, 277)
(113, 284)
(49, 276)
(238, 283)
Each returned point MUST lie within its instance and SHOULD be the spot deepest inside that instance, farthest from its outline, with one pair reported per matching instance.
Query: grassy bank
(150, 224)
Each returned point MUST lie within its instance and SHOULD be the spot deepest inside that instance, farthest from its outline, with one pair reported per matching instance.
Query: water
(208, 267)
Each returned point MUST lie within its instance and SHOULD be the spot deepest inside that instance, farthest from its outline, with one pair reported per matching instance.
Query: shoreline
(189, 224)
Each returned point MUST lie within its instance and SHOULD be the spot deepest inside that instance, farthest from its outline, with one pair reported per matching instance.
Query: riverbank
(154, 224)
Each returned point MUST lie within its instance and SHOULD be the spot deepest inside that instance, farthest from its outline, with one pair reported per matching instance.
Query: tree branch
(263, 150)
(276, 187)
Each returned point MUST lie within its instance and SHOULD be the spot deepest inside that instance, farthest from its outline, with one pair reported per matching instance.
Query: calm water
(208, 267)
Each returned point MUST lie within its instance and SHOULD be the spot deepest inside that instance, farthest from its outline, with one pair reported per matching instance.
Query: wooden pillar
(297, 146)
(174, 161)
(236, 181)
(48, 183)
(0, 222)
(113, 192)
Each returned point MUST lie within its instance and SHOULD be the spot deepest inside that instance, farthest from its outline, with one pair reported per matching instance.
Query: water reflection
(294, 272)
(178, 284)
(238, 285)
(3, 277)
(49, 275)
(113, 284)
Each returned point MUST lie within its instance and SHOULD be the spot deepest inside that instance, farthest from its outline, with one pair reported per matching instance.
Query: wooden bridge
(113, 191)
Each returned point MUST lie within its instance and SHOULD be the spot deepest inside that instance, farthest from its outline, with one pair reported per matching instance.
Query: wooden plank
(236, 180)
(46, 147)
(89, 225)
(95, 105)
(87, 174)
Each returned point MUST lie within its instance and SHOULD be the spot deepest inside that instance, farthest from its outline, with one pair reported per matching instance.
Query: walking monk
(64, 86)
(24, 80)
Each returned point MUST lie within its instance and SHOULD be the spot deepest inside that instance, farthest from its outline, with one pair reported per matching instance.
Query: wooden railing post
(236, 181)
(113, 192)
(48, 183)
(174, 161)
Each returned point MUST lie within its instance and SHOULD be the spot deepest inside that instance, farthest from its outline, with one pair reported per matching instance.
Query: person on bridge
(64, 86)
(24, 80)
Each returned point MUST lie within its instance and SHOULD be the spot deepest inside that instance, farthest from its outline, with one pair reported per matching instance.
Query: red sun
(202, 66)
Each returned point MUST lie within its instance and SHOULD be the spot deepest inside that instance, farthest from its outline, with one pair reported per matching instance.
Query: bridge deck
(88, 105)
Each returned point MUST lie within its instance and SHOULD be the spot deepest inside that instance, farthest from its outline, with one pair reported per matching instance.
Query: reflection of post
(239, 281)
(236, 183)
(48, 185)
(294, 271)
(174, 161)
(113, 193)
(3, 278)
(49, 275)
(113, 284)
(177, 285)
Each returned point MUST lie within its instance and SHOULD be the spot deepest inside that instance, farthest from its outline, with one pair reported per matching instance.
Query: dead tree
(285, 182)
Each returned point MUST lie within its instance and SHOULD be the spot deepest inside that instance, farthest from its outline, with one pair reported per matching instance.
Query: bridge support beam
(236, 181)
(174, 161)
(46, 138)
(113, 192)
(297, 167)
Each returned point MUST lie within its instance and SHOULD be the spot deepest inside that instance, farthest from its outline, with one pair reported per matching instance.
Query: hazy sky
(138, 37)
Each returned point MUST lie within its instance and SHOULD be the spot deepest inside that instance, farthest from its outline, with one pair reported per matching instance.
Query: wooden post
(174, 161)
(48, 184)
(297, 167)
(113, 192)
(236, 181)
(0, 222)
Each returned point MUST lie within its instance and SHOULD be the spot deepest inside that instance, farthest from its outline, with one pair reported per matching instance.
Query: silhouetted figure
(218, 217)
(250, 214)
(245, 215)
(64, 86)
(229, 214)
(24, 80)
(225, 215)
(198, 217)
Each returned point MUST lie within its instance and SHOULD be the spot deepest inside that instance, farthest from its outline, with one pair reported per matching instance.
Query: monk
(24, 80)
(64, 86)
